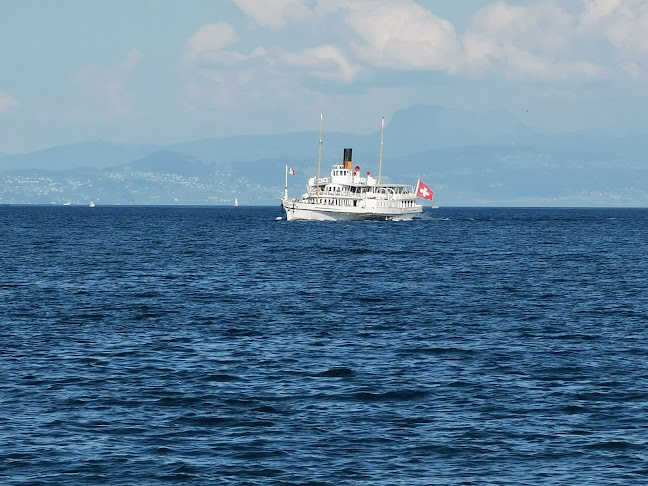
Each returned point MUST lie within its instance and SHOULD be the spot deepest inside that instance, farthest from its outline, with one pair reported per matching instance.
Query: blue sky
(163, 71)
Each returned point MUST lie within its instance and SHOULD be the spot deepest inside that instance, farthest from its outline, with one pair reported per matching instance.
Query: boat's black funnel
(347, 158)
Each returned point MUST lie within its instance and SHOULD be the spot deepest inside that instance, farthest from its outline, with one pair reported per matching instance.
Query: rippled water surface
(219, 346)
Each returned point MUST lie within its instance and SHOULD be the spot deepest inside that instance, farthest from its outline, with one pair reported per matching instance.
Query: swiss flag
(292, 171)
(424, 191)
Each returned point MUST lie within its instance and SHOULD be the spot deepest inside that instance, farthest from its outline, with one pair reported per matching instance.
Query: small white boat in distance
(91, 205)
(235, 202)
(348, 196)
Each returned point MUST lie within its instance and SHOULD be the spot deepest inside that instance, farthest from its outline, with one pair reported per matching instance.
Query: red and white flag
(424, 191)
(292, 172)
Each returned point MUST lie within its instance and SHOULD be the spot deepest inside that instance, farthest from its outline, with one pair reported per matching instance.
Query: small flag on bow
(292, 172)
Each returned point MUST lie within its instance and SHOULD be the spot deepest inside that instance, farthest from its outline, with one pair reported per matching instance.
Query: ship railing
(395, 193)
(355, 195)
(389, 192)
(380, 191)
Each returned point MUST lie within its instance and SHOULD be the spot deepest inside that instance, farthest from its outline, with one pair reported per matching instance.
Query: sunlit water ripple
(217, 345)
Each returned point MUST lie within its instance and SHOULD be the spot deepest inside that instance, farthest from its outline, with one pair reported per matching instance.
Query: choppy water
(219, 346)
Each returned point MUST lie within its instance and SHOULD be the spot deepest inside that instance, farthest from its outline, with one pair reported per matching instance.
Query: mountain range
(467, 158)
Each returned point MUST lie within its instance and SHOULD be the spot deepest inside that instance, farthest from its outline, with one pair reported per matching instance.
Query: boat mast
(382, 134)
(319, 162)
(286, 190)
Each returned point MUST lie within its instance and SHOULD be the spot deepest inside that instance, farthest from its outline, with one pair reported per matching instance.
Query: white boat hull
(301, 211)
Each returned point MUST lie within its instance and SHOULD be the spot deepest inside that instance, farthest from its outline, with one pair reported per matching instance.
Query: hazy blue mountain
(170, 162)
(469, 159)
(421, 128)
(86, 154)
(410, 131)
(302, 145)
(526, 176)
(246, 148)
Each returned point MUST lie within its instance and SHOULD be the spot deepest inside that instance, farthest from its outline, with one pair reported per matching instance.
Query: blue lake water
(164, 345)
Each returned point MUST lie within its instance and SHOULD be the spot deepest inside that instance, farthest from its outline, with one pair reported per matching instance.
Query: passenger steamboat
(349, 196)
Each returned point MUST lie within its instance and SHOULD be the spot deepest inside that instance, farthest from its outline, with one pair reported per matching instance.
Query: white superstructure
(348, 196)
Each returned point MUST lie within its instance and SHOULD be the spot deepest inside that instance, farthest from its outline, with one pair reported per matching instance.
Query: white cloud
(107, 86)
(624, 23)
(601, 40)
(542, 28)
(401, 36)
(532, 41)
(211, 48)
(7, 103)
(398, 35)
(342, 40)
(324, 62)
(274, 14)
(526, 42)
(598, 9)
(211, 51)
(208, 43)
